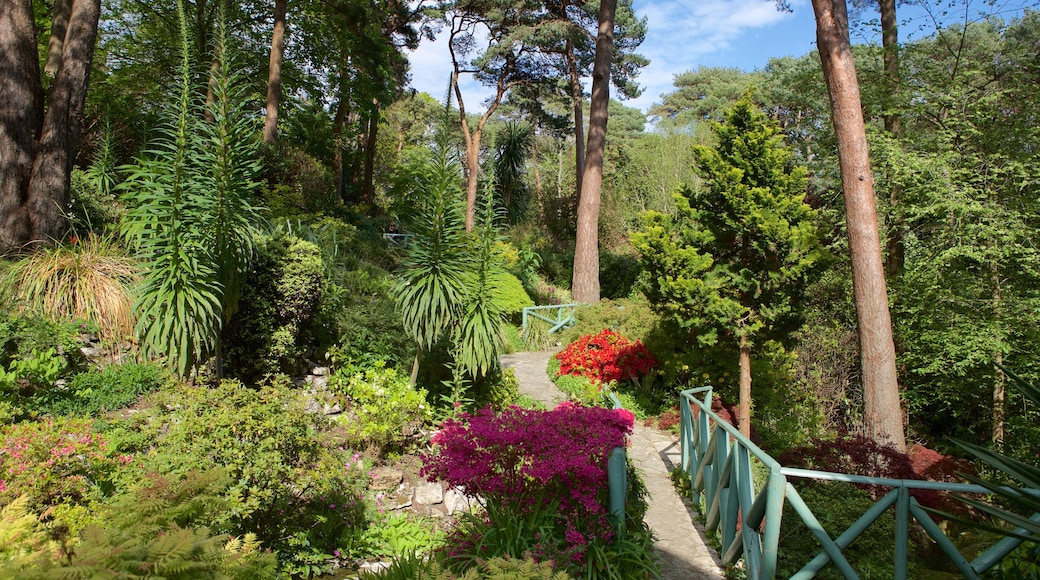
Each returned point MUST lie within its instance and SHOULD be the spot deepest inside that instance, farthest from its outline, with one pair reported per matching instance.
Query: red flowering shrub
(605, 357)
(527, 462)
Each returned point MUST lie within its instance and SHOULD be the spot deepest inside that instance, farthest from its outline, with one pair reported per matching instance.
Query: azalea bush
(606, 357)
(538, 501)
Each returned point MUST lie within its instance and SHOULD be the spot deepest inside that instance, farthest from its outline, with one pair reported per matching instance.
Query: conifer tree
(733, 266)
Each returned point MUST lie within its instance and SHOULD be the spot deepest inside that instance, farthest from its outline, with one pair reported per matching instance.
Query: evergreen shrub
(618, 274)
(281, 296)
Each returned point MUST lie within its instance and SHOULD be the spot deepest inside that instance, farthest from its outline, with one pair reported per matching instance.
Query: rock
(429, 493)
(320, 371)
(90, 353)
(333, 409)
(312, 406)
(372, 568)
(456, 501)
(404, 497)
(385, 478)
(319, 382)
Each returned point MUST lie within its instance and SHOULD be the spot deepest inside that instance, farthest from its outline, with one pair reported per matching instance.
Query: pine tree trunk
(274, 74)
(893, 126)
(585, 284)
(744, 418)
(368, 192)
(882, 416)
(579, 120)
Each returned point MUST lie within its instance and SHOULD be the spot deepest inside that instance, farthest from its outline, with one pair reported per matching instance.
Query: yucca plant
(90, 279)
(191, 218)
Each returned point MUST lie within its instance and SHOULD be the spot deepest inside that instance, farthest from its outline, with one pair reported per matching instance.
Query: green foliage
(510, 295)
(263, 439)
(92, 190)
(446, 289)
(837, 505)
(99, 390)
(411, 567)
(738, 260)
(618, 274)
(191, 217)
(382, 408)
(399, 534)
(149, 531)
(55, 462)
(632, 318)
(282, 295)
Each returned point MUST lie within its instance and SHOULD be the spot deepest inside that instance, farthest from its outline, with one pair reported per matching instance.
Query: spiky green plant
(191, 218)
(1023, 499)
(91, 279)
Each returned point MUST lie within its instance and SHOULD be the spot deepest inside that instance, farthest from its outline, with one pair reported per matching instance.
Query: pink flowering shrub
(605, 357)
(530, 464)
(53, 462)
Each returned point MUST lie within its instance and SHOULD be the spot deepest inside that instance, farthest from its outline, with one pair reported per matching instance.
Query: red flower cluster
(605, 357)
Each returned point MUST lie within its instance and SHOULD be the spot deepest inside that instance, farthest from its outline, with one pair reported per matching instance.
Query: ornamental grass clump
(542, 477)
(606, 357)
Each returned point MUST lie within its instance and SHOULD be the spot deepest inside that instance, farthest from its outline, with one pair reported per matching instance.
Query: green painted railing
(747, 516)
(617, 477)
(560, 316)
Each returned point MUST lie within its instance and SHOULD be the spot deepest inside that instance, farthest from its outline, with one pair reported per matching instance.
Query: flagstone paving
(680, 547)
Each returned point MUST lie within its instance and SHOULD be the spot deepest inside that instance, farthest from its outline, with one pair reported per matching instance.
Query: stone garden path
(680, 546)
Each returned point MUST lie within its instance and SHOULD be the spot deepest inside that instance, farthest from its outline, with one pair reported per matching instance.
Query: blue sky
(685, 34)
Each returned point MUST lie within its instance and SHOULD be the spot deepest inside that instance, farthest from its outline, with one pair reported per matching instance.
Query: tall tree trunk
(368, 192)
(999, 379)
(894, 127)
(882, 416)
(61, 13)
(337, 139)
(274, 73)
(585, 285)
(744, 412)
(21, 114)
(577, 100)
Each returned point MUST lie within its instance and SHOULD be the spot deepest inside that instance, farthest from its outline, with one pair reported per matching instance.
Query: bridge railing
(559, 316)
(717, 458)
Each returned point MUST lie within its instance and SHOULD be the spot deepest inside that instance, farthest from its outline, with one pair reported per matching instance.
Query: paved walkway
(681, 548)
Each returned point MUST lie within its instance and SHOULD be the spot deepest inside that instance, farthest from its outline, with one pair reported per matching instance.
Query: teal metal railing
(559, 316)
(617, 476)
(747, 516)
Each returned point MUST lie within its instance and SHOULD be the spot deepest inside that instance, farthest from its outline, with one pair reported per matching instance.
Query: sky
(681, 35)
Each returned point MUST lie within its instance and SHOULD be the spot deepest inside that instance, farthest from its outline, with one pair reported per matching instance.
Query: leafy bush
(632, 318)
(382, 408)
(537, 500)
(400, 534)
(99, 390)
(281, 296)
(55, 462)
(618, 274)
(606, 357)
(837, 505)
(410, 567)
(511, 295)
(289, 484)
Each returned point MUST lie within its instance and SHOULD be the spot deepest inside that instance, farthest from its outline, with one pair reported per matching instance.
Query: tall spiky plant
(191, 220)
